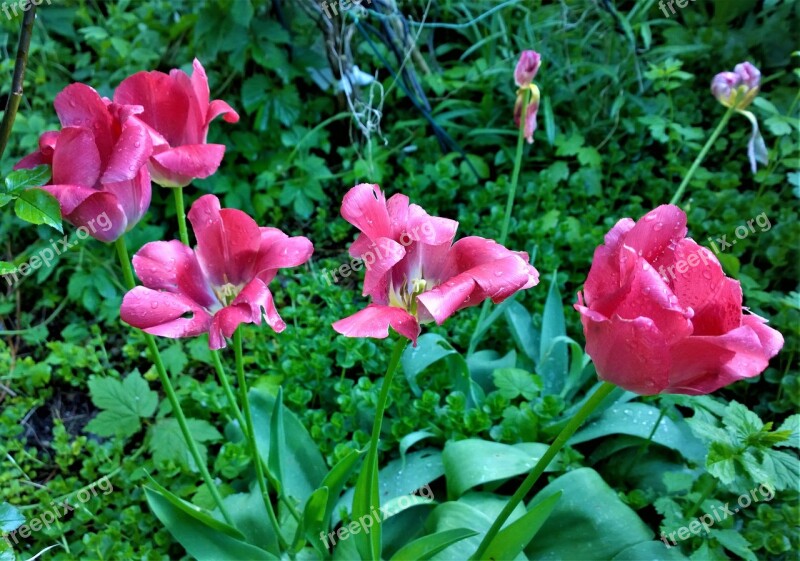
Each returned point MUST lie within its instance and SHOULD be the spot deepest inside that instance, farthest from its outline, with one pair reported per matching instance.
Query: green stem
(512, 190)
(591, 404)
(250, 434)
(701, 156)
(127, 272)
(371, 462)
(226, 386)
(15, 95)
(512, 193)
(180, 210)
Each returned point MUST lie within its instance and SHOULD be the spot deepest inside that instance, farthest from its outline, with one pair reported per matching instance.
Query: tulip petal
(131, 152)
(228, 241)
(163, 313)
(219, 107)
(653, 234)
(101, 215)
(225, 323)
(629, 353)
(173, 267)
(703, 364)
(374, 321)
(722, 312)
(76, 160)
(258, 299)
(79, 105)
(194, 161)
(428, 229)
(279, 251)
(379, 261)
(608, 279)
(164, 101)
(364, 206)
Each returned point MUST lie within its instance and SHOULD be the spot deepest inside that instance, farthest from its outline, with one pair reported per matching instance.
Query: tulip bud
(737, 89)
(749, 75)
(526, 69)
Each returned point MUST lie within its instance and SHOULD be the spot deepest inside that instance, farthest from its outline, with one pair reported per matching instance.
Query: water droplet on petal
(658, 226)
(707, 275)
(649, 217)
(154, 305)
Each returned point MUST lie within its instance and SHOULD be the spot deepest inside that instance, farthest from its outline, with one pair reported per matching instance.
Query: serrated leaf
(25, 178)
(167, 442)
(123, 404)
(39, 207)
(513, 382)
(792, 426)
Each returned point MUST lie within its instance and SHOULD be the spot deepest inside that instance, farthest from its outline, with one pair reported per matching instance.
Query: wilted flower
(416, 273)
(178, 113)
(98, 162)
(737, 90)
(219, 285)
(527, 67)
(660, 316)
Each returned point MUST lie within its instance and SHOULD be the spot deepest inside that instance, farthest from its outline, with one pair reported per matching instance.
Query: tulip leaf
(522, 330)
(650, 550)
(553, 356)
(472, 462)
(426, 547)
(203, 537)
(637, 419)
(588, 522)
(250, 517)
(511, 540)
(25, 178)
(277, 441)
(313, 522)
(39, 207)
(432, 348)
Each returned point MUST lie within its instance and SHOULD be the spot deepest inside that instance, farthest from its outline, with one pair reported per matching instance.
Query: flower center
(226, 293)
(405, 296)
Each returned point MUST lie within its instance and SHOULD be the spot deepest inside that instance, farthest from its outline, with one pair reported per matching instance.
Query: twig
(15, 96)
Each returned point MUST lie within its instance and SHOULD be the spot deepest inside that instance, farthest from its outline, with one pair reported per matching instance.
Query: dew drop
(645, 266)
(137, 144)
(658, 226)
(153, 305)
(707, 275)
(649, 217)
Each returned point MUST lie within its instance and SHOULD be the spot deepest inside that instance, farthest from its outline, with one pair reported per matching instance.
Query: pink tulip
(738, 88)
(527, 67)
(177, 112)
(219, 285)
(660, 316)
(415, 273)
(98, 162)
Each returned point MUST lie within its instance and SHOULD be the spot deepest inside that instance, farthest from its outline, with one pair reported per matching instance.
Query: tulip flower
(660, 316)
(527, 67)
(98, 162)
(415, 273)
(177, 113)
(219, 285)
(737, 90)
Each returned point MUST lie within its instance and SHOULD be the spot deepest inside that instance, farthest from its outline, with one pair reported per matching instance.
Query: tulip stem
(15, 95)
(180, 210)
(371, 462)
(569, 429)
(226, 386)
(512, 192)
(250, 435)
(127, 272)
(701, 156)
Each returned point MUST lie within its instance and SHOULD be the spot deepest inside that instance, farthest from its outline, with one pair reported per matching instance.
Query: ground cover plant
(399, 280)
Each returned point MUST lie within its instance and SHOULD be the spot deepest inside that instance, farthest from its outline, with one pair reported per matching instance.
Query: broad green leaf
(250, 517)
(791, 426)
(10, 518)
(430, 349)
(522, 330)
(651, 551)
(483, 363)
(638, 419)
(553, 356)
(335, 481)
(313, 522)
(203, 537)
(412, 438)
(733, 541)
(39, 207)
(122, 403)
(24, 178)
(301, 462)
(167, 442)
(472, 462)
(511, 540)
(589, 521)
(426, 547)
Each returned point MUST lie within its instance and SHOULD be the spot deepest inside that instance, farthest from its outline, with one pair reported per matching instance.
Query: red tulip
(99, 162)
(660, 316)
(219, 285)
(415, 273)
(177, 112)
